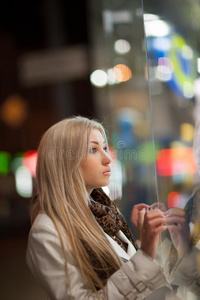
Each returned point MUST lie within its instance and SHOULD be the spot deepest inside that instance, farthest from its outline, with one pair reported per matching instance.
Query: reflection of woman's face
(96, 168)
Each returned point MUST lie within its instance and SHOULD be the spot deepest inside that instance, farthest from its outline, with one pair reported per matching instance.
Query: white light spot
(187, 52)
(23, 181)
(111, 76)
(198, 65)
(165, 69)
(188, 90)
(157, 28)
(150, 17)
(122, 46)
(99, 78)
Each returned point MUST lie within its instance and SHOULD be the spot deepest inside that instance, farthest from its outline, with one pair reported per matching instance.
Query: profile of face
(96, 168)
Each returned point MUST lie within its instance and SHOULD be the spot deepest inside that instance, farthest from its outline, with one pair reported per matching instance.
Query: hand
(137, 218)
(179, 230)
(159, 205)
(153, 225)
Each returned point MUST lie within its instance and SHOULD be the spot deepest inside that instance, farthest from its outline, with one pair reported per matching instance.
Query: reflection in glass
(155, 49)
(172, 52)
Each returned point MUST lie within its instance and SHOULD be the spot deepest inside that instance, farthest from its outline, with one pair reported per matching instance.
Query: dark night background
(29, 26)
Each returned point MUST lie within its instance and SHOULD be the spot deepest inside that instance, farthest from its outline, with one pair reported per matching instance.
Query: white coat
(136, 279)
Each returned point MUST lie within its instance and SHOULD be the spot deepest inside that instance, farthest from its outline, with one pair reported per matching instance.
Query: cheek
(89, 170)
(88, 165)
(86, 169)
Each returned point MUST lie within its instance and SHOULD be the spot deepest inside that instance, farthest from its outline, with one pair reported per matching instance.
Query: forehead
(96, 136)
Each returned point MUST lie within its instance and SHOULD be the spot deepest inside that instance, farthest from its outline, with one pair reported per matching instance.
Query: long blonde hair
(63, 197)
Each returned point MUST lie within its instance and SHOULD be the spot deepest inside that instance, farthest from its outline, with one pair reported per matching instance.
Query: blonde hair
(63, 197)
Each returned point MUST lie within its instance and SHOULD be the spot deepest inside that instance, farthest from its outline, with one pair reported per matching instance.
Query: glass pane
(119, 76)
(172, 39)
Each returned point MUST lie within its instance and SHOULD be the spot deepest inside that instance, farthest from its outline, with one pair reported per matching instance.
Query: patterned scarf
(111, 222)
(108, 217)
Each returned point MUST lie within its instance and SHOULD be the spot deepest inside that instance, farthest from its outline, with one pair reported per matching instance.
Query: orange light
(122, 73)
(14, 110)
(173, 199)
(176, 161)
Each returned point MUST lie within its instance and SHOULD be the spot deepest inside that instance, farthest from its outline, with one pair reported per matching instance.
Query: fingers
(179, 230)
(176, 222)
(137, 218)
(141, 214)
(153, 225)
(175, 212)
(159, 205)
(154, 221)
(175, 217)
(140, 206)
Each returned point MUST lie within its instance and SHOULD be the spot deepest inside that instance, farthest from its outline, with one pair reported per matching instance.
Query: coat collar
(119, 251)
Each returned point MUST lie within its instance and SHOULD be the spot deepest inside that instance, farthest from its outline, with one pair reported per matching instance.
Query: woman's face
(96, 168)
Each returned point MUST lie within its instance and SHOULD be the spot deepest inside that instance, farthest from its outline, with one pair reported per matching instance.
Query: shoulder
(43, 236)
(42, 221)
(42, 227)
(43, 232)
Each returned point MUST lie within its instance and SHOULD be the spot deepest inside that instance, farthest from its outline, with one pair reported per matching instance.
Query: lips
(107, 172)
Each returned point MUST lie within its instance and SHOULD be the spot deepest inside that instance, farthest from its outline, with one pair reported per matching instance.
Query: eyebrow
(94, 142)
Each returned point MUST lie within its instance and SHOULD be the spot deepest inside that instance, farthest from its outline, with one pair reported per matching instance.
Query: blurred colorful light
(173, 199)
(165, 69)
(29, 161)
(122, 73)
(175, 161)
(5, 159)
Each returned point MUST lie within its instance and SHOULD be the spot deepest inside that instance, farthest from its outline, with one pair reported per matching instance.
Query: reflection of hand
(179, 230)
(137, 218)
(159, 205)
(153, 225)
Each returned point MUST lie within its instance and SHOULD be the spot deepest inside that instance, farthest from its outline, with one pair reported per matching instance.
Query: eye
(105, 149)
(93, 150)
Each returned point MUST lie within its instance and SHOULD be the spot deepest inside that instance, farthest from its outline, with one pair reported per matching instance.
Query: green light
(5, 158)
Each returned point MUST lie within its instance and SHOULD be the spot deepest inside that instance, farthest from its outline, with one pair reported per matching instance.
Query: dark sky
(34, 25)
(27, 20)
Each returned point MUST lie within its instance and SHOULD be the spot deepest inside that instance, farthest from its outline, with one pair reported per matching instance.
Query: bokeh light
(157, 28)
(165, 69)
(99, 78)
(5, 159)
(23, 181)
(187, 132)
(29, 161)
(122, 73)
(14, 111)
(122, 46)
(173, 199)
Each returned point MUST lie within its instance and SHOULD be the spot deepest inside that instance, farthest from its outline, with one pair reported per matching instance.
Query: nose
(107, 158)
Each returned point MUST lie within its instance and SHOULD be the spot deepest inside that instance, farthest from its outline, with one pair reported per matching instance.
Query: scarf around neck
(108, 216)
(110, 220)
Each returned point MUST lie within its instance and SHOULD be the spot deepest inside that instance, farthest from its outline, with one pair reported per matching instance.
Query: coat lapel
(120, 252)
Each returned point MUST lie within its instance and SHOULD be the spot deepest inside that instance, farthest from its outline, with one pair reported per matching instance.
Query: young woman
(79, 246)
